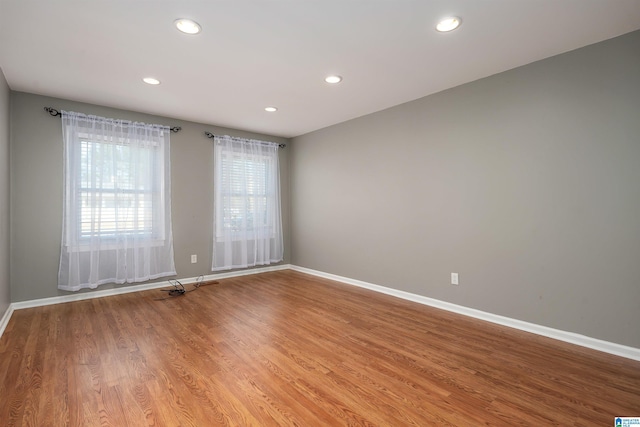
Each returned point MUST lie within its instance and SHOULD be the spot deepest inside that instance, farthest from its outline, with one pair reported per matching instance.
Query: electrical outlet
(454, 278)
(194, 259)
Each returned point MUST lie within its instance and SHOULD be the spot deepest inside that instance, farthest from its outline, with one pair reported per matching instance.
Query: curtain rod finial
(52, 111)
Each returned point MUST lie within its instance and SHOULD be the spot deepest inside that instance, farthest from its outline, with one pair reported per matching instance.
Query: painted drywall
(5, 291)
(36, 191)
(526, 183)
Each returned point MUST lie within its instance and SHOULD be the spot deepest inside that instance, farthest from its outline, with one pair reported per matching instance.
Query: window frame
(79, 241)
(269, 194)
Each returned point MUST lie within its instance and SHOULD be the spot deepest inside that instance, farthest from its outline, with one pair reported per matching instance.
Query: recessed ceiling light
(333, 79)
(187, 26)
(151, 81)
(448, 24)
(270, 109)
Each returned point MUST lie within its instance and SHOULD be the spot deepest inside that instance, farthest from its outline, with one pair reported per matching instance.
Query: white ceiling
(253, 54)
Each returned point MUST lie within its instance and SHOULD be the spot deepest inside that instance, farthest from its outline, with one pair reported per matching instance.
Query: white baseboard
(127, 289)
(5, 319)
(570, 337)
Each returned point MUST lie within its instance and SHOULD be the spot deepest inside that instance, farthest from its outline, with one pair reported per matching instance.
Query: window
(247, 219)
(244, 198)
(117, 204)
(112, 196)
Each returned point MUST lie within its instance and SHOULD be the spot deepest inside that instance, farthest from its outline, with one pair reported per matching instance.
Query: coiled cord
(179, 289)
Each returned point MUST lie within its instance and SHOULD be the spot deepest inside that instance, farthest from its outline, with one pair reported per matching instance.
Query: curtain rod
(210, 135)
(55, 113)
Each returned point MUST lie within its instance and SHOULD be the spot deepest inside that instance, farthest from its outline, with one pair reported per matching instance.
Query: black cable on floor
(179, 289)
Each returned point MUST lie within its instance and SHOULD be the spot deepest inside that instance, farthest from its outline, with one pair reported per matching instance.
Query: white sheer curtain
(117, 202)
(247, 220)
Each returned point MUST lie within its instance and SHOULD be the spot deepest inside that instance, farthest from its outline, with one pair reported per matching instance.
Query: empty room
(320, 213)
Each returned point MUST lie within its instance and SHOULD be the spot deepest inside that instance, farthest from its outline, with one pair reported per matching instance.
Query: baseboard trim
(5, 319)
(570, 337)
(129, 289)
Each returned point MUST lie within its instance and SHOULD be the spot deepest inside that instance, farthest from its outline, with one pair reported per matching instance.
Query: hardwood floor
(288, 349)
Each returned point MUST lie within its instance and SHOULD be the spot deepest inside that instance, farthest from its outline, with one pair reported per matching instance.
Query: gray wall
(36, 191)
(526, 183)
(5, 294)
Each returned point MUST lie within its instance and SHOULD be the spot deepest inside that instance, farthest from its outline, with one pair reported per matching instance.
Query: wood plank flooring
(289, 349)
